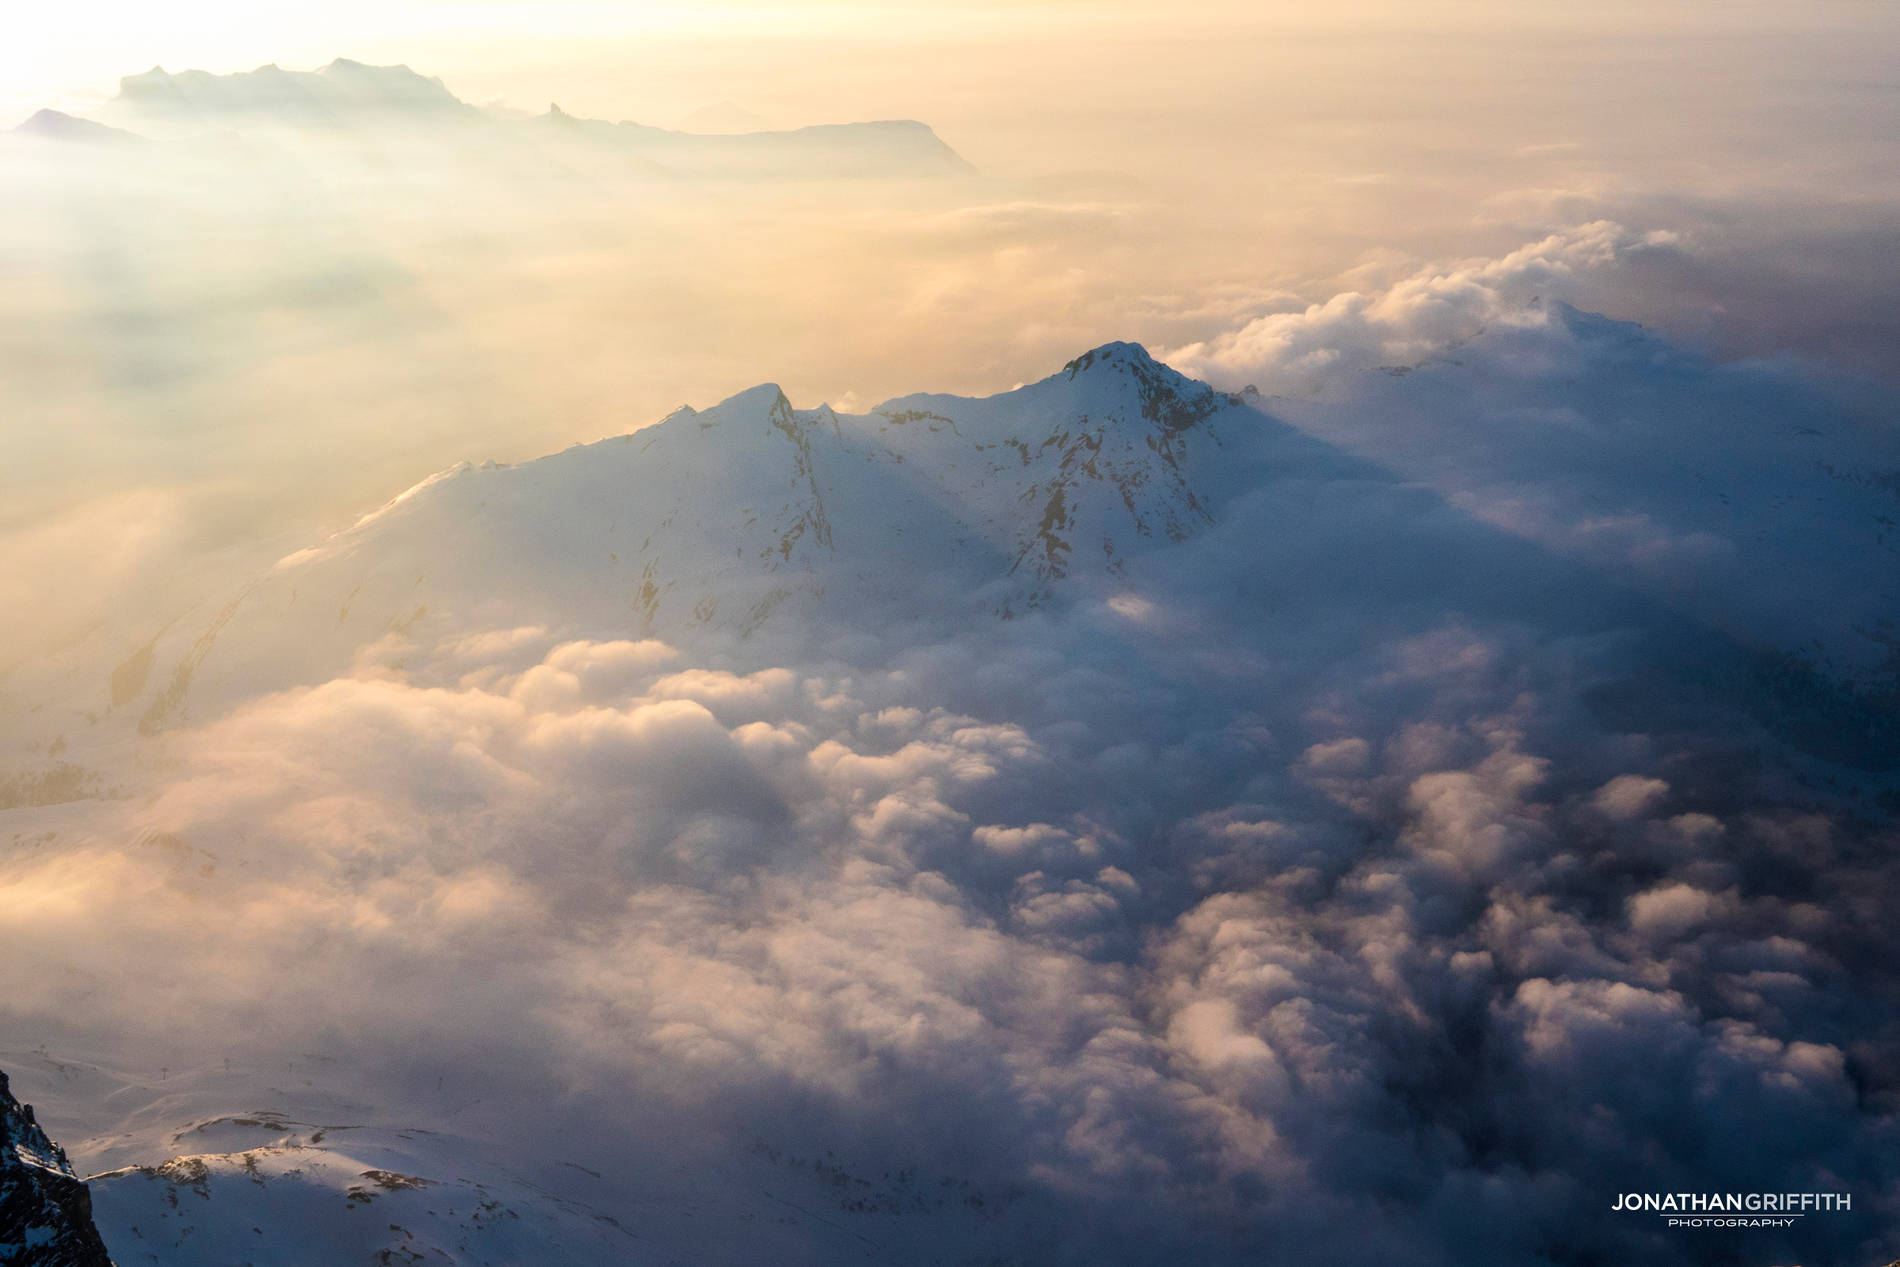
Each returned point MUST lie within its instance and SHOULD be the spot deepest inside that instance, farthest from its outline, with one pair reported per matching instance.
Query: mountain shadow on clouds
(1755, 501)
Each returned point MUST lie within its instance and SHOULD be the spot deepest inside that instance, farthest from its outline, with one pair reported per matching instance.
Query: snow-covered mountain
(718, 521)
(924, 513)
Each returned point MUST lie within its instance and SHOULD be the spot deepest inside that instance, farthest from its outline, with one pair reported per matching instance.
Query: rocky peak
(1165, 397)
(45, 1209)
(1117, 355)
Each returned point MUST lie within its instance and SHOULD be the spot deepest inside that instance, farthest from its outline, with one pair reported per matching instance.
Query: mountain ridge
(346, 96)
(717, 521)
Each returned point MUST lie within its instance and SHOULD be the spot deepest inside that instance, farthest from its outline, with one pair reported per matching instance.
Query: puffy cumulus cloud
(577, 672)
(1629, 795)
(1671, 909)
(1418, 317)
(1473, 819)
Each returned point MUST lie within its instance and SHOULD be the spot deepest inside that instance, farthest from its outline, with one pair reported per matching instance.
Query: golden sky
(283, 348)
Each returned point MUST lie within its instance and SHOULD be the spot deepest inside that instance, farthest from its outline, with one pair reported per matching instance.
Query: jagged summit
(765, 398)
(1113, 353)
(1121, 385)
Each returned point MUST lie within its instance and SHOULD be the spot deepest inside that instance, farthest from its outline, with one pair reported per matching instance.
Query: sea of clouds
(1377, 873)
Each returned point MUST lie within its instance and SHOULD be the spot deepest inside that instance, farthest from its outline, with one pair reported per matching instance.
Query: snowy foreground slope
(1102, 822)
(260, 1187)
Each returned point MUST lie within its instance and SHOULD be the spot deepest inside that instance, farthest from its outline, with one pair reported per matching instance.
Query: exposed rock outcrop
(45, 1209)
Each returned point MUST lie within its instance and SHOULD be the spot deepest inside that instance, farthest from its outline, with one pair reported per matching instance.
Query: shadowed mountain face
(45, 1210)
